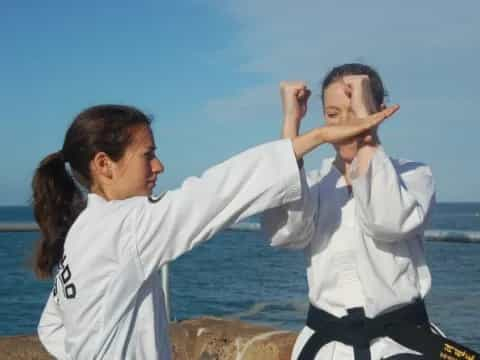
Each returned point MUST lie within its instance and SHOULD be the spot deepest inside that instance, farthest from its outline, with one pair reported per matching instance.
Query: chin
(347, 152)
(147, 192)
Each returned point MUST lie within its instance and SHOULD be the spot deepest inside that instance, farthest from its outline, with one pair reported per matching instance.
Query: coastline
(201, 338)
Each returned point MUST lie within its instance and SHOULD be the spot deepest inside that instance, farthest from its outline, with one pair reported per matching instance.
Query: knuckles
(292, 86)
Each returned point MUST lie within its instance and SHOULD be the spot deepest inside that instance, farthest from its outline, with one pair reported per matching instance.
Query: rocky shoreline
(206, 338)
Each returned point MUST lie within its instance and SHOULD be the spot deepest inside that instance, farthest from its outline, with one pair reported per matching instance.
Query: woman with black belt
(360, 222)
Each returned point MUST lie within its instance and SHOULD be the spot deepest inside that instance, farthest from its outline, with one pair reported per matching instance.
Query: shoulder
(410, 167)
(134, 204)
(139, 206)
(153, 199)
(118, 211)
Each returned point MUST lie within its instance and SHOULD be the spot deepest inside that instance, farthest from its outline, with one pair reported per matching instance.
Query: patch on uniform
(156, 198)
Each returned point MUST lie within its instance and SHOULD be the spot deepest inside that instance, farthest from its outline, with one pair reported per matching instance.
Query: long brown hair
(57, 197)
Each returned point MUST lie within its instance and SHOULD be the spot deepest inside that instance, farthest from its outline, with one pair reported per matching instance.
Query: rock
(211, 338)
(205, 338)
(22, 347)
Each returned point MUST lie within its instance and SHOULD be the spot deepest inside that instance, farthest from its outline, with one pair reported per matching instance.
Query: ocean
(236, 274)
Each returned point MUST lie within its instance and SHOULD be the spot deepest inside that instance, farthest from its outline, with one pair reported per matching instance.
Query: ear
(101, 165)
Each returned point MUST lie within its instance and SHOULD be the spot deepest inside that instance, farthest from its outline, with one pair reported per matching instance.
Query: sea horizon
(261, 284)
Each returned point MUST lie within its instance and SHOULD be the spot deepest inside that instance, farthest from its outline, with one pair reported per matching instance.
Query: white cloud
(248, 104)
(281, 39)
(425, 51)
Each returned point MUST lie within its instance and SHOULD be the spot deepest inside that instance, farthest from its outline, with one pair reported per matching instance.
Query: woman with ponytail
(105, 243)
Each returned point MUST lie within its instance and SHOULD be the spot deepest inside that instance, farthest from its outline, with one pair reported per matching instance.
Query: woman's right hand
(336, 133)
(294, 96)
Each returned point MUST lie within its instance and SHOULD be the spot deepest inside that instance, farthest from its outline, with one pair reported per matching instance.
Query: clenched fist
(295, 96)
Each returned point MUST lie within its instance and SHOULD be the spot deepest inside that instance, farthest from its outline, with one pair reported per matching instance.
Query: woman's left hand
(358, 89)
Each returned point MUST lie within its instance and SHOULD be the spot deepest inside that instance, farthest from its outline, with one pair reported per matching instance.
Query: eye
(150, 155)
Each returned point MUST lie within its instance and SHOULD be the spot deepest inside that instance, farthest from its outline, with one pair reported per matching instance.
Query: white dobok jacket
(363, 248)
(107, 301)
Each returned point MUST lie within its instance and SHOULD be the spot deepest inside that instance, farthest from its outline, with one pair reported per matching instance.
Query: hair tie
(61, 155)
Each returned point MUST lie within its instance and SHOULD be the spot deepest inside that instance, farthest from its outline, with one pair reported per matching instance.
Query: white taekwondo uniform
(108, 302)
(363, 248)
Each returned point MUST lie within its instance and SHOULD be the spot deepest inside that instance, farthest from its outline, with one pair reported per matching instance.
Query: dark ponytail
(57, 201)
(57, 198)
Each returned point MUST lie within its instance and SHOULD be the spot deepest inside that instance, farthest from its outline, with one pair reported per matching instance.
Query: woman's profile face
(136, 172)
(338, 111)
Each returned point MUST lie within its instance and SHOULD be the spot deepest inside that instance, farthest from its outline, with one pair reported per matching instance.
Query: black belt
(408, 326)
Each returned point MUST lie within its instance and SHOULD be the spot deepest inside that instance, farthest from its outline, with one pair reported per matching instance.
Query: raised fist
(295, 96)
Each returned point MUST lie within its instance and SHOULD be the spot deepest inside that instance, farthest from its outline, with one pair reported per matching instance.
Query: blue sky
(208, 72)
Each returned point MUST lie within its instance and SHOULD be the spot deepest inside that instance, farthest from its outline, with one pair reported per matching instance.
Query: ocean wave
(245, 226)
(294, 307)
(432, 234)
(255, 309)
(446, 235)
(452, 235)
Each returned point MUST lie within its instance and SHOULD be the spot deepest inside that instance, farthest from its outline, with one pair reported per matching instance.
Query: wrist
(366, 151)
(319, 135)
(362, 112)
(290, 128)
(292, 119)
(362, 160)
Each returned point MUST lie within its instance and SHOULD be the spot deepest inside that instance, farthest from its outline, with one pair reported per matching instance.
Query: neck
(344, 167)
(98, 190)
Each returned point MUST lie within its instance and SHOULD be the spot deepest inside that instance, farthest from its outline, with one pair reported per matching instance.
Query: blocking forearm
(363, 158)
(305, 143)
(290, 128)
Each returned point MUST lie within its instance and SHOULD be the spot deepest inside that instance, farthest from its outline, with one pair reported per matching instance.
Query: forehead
(334, 95)
(142, 137)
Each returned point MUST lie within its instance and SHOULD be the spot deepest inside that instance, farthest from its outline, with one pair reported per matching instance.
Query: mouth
(151, 183)
(346, 143)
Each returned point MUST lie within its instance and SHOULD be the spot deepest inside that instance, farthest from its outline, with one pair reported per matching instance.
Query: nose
(157, 166)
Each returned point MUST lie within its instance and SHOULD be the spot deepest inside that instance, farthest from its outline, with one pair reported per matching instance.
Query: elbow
(293, 240)
(392, 235)
(51, 341)
(41, 330)
(297, 244)
(391, 232)
(397, 223)
(43, 336)
(288, 229)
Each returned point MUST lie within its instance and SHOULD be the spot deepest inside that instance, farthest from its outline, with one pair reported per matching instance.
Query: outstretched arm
(251, 182)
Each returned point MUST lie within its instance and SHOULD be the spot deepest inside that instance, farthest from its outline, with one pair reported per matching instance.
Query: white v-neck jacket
(107, 302)
(363, 248)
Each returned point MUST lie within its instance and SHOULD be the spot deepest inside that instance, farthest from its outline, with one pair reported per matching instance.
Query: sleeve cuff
(375, 165)
(294, 191)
